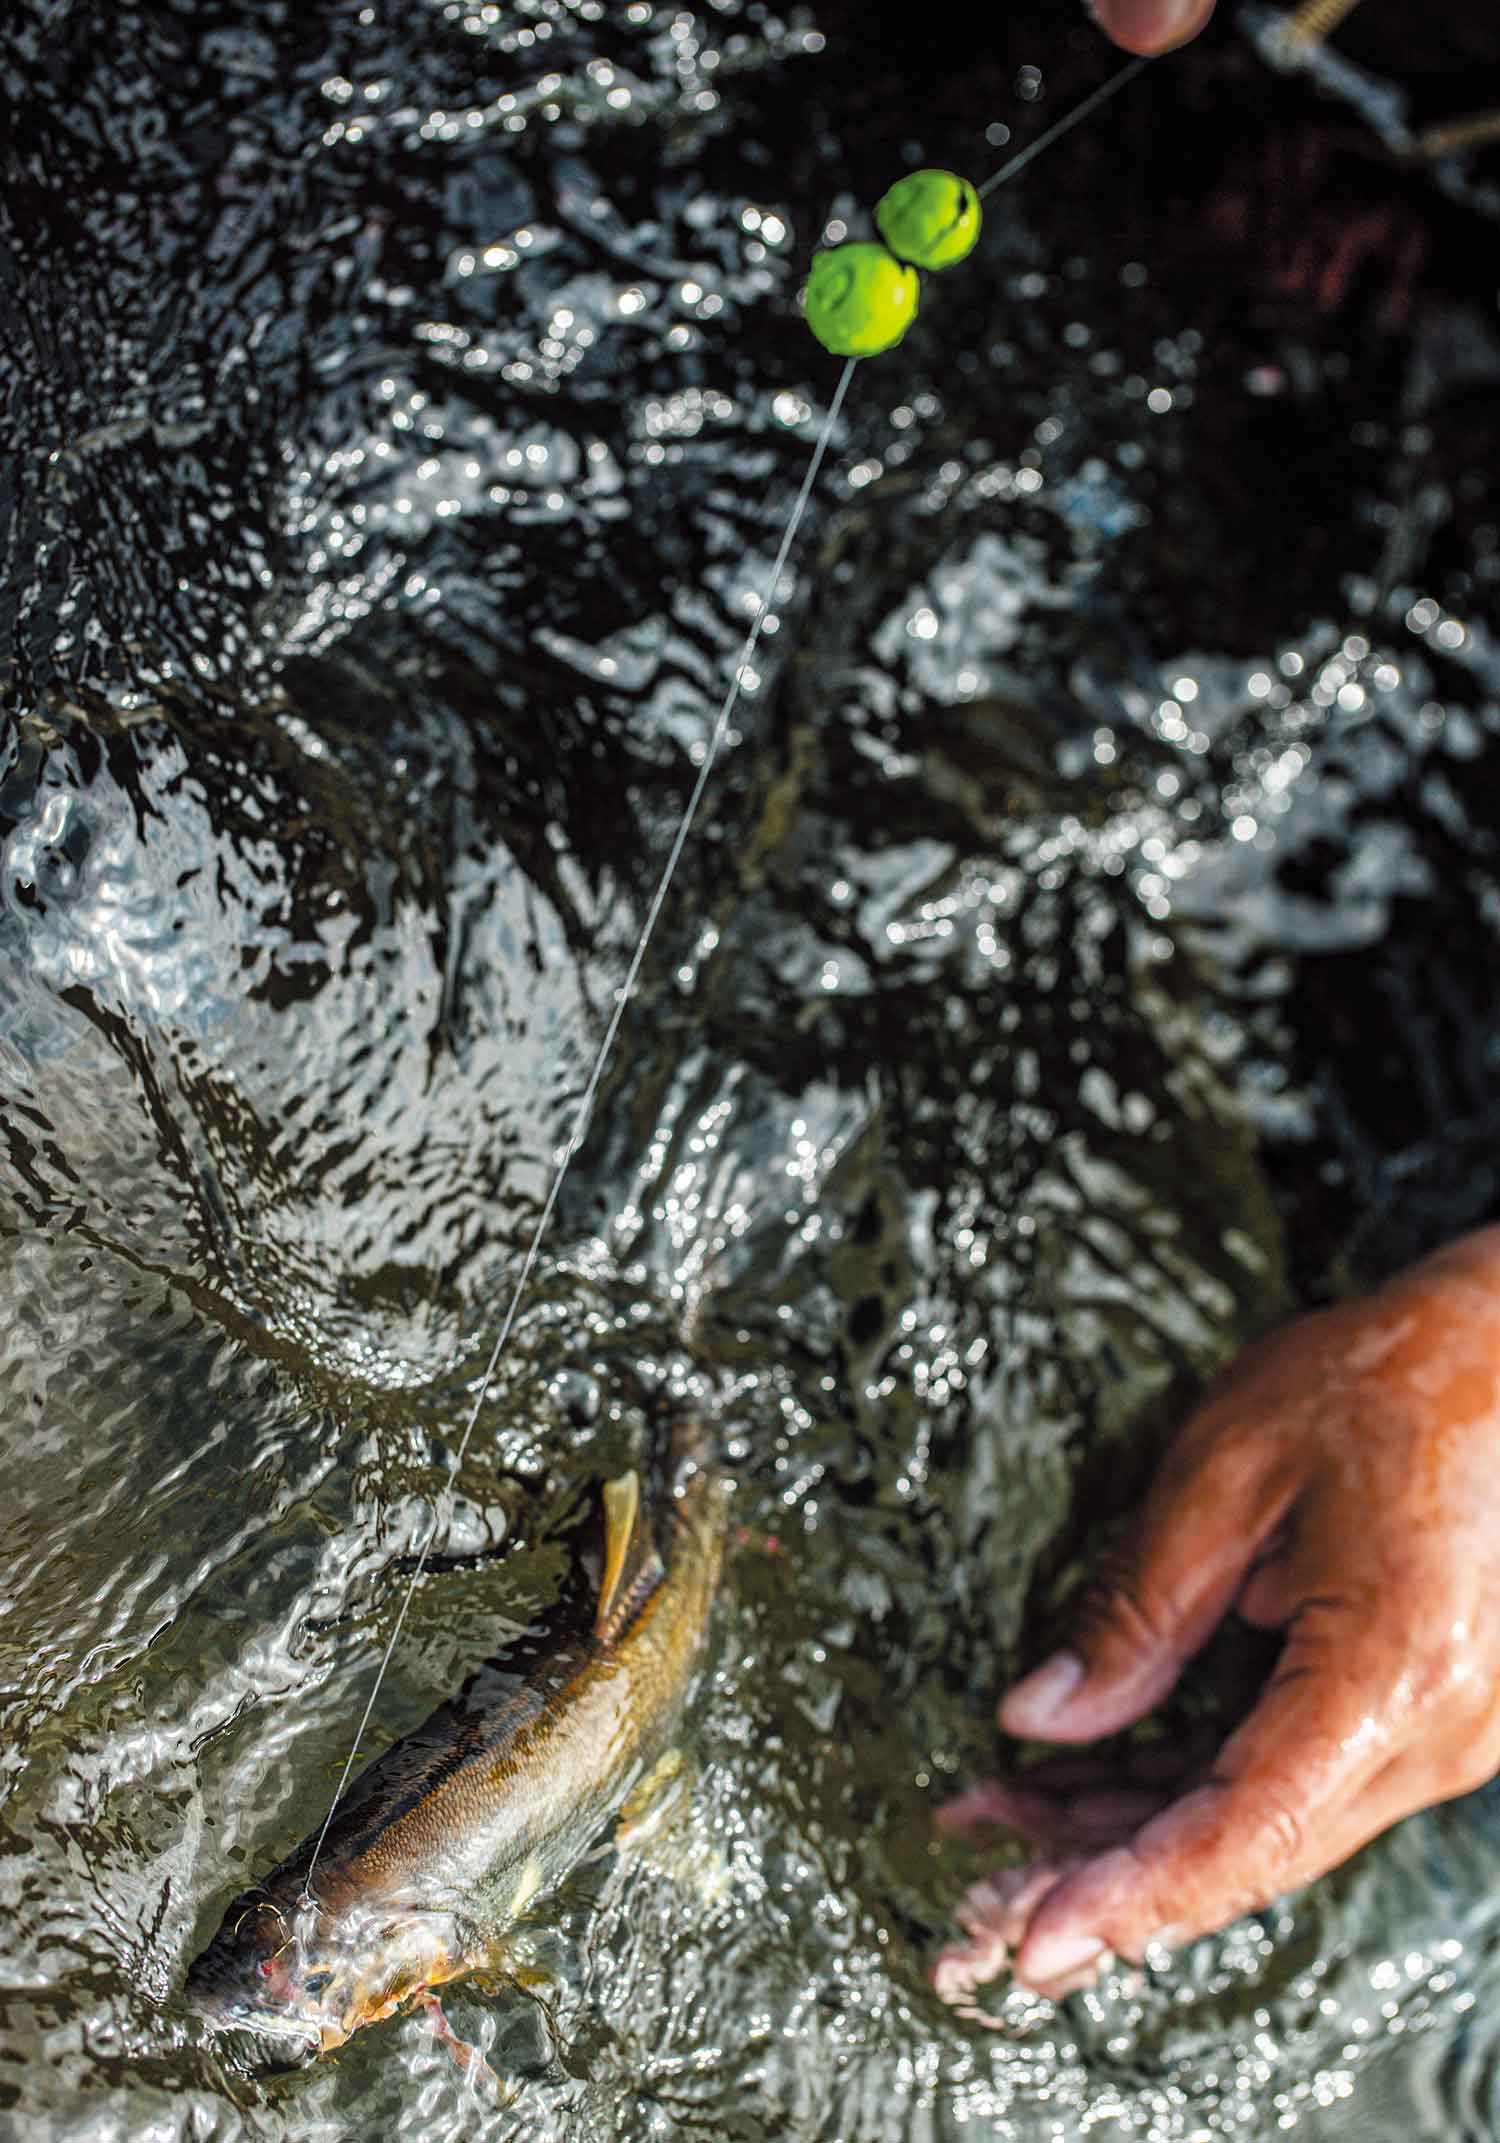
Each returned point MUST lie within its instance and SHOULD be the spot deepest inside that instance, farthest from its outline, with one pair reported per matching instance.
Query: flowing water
(1087, 955)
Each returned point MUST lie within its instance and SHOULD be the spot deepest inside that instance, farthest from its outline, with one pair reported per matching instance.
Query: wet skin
(1150, 26)
(1340, 1486)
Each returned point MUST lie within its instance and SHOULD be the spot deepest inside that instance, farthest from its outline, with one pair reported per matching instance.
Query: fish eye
(318, 1982)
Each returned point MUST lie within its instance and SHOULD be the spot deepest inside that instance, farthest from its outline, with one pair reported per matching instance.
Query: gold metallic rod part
(1455, 135)
(1315, 20)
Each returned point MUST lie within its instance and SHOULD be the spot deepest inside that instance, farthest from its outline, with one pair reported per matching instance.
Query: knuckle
(1276, 1845)
(1446, 1672)
(1123, 1606)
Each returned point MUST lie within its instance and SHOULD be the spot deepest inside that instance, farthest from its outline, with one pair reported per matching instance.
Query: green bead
(930, 217)
(859, 300)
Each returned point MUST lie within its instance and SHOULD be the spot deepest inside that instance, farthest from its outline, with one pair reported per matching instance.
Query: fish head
(285, 1986)
(268, 1984)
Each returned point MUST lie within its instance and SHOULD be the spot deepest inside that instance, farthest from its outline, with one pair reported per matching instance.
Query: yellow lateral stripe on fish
(445, 1841)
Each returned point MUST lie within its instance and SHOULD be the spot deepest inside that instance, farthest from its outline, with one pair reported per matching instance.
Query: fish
(446, 1842)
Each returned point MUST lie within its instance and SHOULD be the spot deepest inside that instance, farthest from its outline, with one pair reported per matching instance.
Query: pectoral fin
(652, 1800)
(468, 2060)
(655, 1826)
(630, 1560)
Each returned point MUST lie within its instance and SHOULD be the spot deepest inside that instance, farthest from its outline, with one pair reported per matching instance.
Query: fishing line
(590, 1093)
(626, 989)
(1065, 125)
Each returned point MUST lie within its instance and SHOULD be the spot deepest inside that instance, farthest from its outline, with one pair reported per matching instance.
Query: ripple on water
(1085, 954)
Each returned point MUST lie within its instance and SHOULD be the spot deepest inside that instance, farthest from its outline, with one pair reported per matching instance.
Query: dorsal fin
(629, 1556)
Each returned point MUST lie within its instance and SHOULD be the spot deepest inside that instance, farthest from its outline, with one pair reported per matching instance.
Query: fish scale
(447, 1840)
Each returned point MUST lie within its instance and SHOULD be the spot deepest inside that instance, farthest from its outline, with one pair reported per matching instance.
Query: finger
(1000, 1906)
(993, 1914)
(1168, 1760)
(974, 1811)
(1053, 1964)
(1220, 1494)
(1058, 1781)
(1087, 1821)
(1090, 1821)
(1003, 1912)
(1151, 26)
(1286, 1798)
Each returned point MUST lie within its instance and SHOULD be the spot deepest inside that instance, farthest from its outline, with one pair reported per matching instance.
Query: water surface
(1086, 958)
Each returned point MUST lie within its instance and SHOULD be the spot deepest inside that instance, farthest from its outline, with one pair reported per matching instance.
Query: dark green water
(1088, 955)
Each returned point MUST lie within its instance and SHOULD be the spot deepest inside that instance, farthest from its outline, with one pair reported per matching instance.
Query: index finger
(1288, 1799)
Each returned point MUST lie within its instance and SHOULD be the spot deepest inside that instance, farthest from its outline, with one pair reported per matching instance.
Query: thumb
(1157, 1599)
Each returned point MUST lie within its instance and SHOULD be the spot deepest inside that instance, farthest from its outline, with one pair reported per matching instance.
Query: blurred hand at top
(1340, 1485)
(1150, 26)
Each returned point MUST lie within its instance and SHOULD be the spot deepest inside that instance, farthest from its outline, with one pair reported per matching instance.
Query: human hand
(1340, 1485)
(1151, 26)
